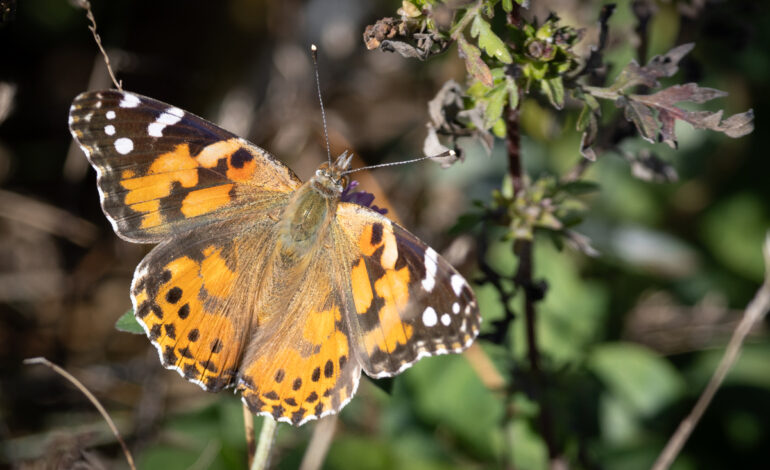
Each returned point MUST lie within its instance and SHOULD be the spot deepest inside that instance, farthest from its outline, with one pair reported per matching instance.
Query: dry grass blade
(248, 424)
(323, 434)
(86, 5)
(754, 313)
(91, 397)
(266, 440)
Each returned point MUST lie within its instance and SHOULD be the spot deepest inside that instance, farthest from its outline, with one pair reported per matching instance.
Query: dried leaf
(642, 117)
(473, 62)
(659, 66)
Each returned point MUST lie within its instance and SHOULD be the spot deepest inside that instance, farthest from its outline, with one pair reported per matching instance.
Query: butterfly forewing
(162, 170)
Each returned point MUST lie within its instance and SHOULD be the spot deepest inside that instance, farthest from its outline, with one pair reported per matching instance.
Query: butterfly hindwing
(409, 301)
(162, 170)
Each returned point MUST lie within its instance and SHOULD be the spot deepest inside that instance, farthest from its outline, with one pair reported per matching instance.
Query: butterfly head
(330, 178)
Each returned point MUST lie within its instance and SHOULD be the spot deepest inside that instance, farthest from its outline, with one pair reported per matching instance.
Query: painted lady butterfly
(260, 282)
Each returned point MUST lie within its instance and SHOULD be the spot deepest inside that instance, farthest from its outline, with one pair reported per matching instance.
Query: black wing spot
(328, 369)
(280, 375)
(312, 397)
(155, 331)
(216, 346)
(376, 234)
(170, 330)
(297, 384)
(240, 158)
(173, 295)
(184, 311)
(193, 335)
(316, 374)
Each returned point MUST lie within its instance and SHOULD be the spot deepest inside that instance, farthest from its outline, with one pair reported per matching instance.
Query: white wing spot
(170, 117)
(129, 101)
(455, 308)
(430, 270)
(110, 114)
(109, 129)
(429, 317)
(446, 319)
(457, 284)
(124, 145)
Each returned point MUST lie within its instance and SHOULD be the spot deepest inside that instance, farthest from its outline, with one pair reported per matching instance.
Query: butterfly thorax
(307, 216)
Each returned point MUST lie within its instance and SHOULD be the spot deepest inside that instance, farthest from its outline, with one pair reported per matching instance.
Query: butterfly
(278, 288)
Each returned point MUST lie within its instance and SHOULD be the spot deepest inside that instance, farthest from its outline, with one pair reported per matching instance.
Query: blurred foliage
(627, 339)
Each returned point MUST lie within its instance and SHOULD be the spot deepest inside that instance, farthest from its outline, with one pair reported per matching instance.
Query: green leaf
(554, 90)
(638, 377)
(498, 128)
(495, 105)
(128, 324)
(489, 41)
(473, 63)
(507, 6)
(579, 187)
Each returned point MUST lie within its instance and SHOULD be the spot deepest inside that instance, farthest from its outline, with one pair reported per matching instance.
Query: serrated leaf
(128, 324)
(658, 67)
(473, 62)
(642, 117)
(678, 93)
(489, 41)
(495, 105)
(554, 90)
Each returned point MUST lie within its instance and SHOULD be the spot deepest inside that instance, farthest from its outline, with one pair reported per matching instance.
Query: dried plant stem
(319, 444)
(266, 440)
(754, 313)
(86, 5)
(91, 397)
(251, 443)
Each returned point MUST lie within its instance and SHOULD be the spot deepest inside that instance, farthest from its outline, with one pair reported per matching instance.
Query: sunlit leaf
(489, 41)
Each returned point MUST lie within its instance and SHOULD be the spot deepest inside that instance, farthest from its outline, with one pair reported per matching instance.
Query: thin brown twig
(91, 398)
(251, 443)
(86, 5)
(754, 313)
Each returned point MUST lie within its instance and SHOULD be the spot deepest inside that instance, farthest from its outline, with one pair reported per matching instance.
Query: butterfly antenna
(448, 153)
(314, 53)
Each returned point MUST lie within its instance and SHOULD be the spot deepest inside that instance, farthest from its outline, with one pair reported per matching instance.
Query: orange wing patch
(295, 381)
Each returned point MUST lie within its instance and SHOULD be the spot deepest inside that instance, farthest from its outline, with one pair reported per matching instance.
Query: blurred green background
(629, 339)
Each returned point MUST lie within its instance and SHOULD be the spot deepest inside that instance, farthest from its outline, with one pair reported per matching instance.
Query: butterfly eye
(343, 182)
